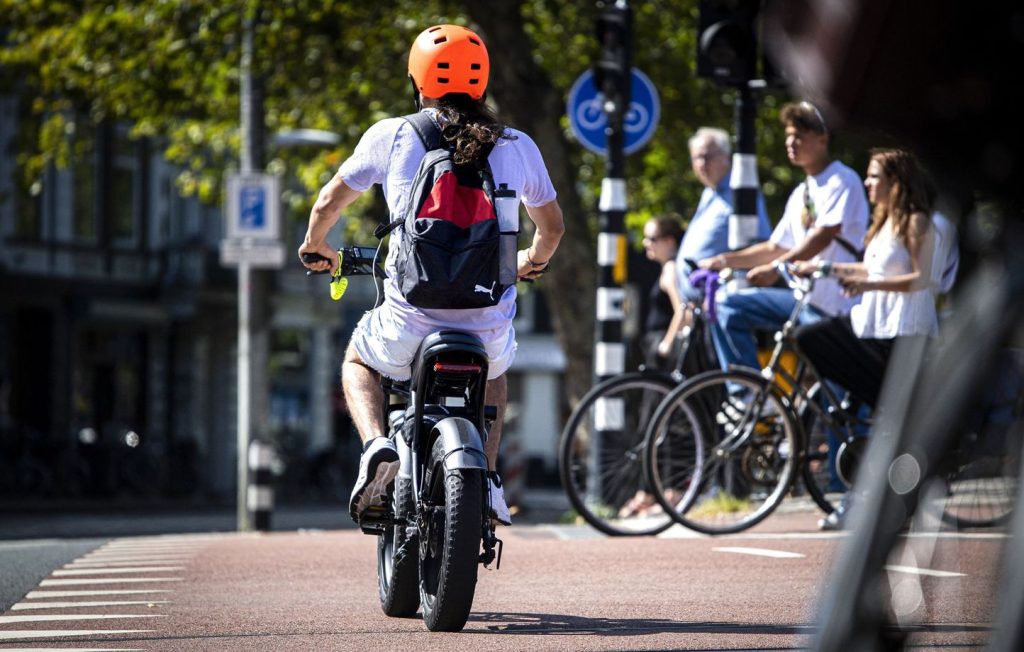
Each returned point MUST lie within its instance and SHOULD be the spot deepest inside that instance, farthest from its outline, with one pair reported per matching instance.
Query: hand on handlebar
(762, 275)
(805, 268)
(318, 258)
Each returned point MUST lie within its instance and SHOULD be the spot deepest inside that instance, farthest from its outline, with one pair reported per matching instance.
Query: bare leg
(363, 395)
(496, 394)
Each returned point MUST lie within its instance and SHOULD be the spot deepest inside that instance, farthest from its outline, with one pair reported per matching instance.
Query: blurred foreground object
(941, 77)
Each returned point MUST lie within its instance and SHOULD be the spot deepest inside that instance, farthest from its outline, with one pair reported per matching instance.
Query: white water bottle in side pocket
(506, 205)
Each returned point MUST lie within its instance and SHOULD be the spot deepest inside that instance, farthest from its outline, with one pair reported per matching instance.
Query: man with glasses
(708, 232)
(825, 219)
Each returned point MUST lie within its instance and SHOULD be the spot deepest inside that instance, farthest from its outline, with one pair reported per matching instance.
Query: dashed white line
(45, 595)
(54, 604)
(913, 570)
(115, 580)
(761, 552)
(10, 620)
(114, 571)
(17, 634)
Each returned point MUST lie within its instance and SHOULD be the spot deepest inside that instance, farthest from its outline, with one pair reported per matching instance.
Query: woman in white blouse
(894, 281)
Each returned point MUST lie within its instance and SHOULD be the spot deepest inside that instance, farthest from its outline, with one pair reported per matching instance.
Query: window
(83, 171)
(123, 171)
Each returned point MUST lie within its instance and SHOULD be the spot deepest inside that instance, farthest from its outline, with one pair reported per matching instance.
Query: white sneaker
(499, 510)
(378, 467)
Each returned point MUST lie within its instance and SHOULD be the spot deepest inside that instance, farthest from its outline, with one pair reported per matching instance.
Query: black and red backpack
(449, 254)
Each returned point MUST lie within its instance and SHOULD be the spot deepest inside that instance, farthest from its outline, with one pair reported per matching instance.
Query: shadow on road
(562, 624)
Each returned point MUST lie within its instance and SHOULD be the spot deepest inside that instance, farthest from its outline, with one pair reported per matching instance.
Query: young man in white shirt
(825, 218)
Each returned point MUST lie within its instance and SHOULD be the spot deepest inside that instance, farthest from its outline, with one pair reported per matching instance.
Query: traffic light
(612, 70)
(727, 41)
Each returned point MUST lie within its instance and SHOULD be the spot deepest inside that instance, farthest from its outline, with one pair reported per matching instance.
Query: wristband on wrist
(825, 267)
(533, 264)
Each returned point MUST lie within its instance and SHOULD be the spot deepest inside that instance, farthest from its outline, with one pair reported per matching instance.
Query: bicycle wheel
(397, 571)
(742, 458)
(825, 482)
(450, 553)
(982, 482)
(601, 455)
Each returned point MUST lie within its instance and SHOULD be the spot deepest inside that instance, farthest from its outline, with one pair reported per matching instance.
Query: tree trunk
(527, 98)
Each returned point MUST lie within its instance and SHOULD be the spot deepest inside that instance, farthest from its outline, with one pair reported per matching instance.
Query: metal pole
(744, 181)
(244, 524)
(244, 292)
(609, 349)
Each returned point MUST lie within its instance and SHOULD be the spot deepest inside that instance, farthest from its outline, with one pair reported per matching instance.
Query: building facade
(118, 331)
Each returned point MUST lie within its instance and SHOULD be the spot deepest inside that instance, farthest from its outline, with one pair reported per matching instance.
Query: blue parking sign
(588, 119)
(252, 206)
(252, 203)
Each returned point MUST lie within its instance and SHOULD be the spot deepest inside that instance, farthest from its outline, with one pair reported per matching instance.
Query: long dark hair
(470, 126)
(909, 192)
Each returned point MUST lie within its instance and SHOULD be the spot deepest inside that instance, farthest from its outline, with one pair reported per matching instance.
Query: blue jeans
(742, 312)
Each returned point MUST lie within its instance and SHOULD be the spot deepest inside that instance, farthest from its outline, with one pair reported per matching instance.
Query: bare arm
(815, 242)
(550, 227)
(755, 254)
(333, 199)
(920, 244)
(668, 283)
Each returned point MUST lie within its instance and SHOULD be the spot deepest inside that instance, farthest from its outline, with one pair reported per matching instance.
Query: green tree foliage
(170, 68)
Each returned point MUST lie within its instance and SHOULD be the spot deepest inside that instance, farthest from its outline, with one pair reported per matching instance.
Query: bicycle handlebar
(352, 261)
(804, 284)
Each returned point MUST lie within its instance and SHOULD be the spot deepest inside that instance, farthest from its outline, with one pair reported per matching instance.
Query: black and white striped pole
(259, 499)
(612, 77)
(743, 223)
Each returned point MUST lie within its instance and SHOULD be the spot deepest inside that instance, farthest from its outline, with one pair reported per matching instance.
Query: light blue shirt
(708, 233)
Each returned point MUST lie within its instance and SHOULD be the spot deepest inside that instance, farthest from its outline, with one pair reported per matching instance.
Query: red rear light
(456, 368)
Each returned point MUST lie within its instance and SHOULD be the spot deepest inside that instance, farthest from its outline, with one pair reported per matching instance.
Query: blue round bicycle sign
(588, 119)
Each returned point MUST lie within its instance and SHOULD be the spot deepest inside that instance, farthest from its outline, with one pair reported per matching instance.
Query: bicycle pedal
(376, 519)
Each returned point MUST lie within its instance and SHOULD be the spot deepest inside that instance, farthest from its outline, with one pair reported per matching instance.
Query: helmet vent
(440, 39)
(474, 81)
(474, 66)
(443, 65)
(434, 28)
(474, 41)
(442, 80)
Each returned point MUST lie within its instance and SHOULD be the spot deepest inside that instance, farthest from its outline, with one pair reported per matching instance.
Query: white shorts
(387, 343)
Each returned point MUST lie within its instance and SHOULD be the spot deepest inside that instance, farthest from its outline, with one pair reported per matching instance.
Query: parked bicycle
(752, 432)
(601, 447)
(437, 529)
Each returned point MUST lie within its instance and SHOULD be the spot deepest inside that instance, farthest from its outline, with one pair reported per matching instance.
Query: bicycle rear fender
(457, 446)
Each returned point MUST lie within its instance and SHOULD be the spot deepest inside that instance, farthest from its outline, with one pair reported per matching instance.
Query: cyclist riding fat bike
(448, 68)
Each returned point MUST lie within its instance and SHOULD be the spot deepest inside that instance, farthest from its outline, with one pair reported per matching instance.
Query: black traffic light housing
(612, 70)
(727, 44)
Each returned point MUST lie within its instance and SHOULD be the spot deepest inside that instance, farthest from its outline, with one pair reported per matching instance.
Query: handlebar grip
(313, 257)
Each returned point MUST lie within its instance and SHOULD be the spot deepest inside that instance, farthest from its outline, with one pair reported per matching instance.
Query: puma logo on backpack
(449, 252)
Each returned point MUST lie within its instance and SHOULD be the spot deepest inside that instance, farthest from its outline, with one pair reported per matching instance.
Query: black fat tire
(625, 459)
(448, 575)
(762, 467)
(397, 560)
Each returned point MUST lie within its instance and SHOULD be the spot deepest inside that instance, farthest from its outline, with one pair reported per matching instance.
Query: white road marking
(74, 605)
(114, 571)
(73, 649)
(48, 633)
(913, 570)
(116, 580)
(43, 595)
(762, 552)
(126, 561)
(10, 620)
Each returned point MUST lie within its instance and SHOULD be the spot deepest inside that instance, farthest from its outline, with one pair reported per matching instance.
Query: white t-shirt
(838, 197)
(389, 154)
(883, 314)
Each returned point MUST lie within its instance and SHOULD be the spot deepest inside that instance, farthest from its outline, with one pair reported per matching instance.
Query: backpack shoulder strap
(425, 127)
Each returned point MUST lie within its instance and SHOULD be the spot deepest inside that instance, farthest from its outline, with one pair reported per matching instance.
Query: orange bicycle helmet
(449, 59)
